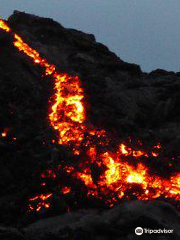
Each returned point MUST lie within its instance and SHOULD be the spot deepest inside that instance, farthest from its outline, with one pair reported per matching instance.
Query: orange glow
(138, 175)
(42, 202)
(4, 26)
(86, 178)
(123, 149)
(66, 190)
(155, 154)
(67, 112)
(4, 133)
(48, 174)
(68, 119)
(113, 172)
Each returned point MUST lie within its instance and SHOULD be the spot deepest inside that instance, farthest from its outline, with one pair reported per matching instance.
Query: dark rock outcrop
(117, 223)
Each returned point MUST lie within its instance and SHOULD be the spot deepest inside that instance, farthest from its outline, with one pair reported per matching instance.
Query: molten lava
(116, 178)
(5, 132)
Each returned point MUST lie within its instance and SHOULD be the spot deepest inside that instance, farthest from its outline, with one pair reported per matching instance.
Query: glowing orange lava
(66, 190)
(5, 132)
(68, 119)
(4, 26)
(42, 202)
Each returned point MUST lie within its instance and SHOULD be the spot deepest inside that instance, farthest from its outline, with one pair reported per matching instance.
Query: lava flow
(105, 174)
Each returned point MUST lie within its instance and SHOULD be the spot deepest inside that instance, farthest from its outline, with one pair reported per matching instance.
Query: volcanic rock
(119, 222)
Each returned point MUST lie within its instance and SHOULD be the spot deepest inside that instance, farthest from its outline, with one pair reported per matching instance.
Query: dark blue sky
(146, 32)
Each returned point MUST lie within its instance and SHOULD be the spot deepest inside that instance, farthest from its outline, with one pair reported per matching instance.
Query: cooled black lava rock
(117, 223)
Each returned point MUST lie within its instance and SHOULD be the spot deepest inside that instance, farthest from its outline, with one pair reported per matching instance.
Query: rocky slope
(119, 97)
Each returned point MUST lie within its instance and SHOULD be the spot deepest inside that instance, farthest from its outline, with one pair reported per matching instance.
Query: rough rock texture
(119, 97)
(117, 223)
(112, 224)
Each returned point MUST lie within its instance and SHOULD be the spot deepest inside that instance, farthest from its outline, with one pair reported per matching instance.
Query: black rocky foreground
(119, 97)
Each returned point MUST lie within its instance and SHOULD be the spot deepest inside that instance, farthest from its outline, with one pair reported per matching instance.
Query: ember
(4, 133)
(66, 190)
(42, 202)
(116, 176)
